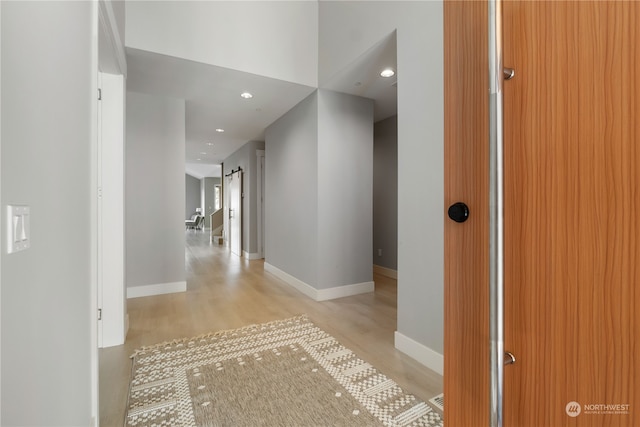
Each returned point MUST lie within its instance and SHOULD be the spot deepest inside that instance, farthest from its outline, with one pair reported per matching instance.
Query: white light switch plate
(18, 228)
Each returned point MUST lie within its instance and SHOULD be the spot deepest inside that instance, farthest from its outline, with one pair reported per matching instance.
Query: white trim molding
(320, 294)
(156, 289)
(251, 256)
(386, 272)
(303, 287)
(420, 352)
(345, 291)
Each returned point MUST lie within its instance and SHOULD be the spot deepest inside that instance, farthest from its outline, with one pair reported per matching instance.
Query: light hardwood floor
(227, 292)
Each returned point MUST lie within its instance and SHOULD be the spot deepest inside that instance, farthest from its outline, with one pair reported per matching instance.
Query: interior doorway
(234, 182)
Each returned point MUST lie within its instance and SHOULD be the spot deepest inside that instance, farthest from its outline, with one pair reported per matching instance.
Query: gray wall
(345, 180)
(385, 192)
(318, 187)
(154, 190)
(245, 158)
(291, 192)
(356, 26)
(48, 106)
(192, 195)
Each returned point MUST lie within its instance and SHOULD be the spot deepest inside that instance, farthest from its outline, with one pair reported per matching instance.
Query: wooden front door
(572, 206)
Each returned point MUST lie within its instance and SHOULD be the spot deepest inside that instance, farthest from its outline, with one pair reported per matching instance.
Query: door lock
(459, 212)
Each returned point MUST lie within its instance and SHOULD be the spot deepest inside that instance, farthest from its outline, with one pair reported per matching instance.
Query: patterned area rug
(283, 373)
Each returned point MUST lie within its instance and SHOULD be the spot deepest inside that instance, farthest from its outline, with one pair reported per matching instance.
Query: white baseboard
(345, 291)
(320, 294)
(251, 256)
(303, 287)
(420, 352)
(157, 289)
(384, 271)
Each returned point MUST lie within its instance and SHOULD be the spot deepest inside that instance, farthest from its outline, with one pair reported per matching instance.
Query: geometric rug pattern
(283, 373)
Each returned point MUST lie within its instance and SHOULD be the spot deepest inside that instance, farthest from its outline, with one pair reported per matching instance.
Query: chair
(199, 223)
(193, 222)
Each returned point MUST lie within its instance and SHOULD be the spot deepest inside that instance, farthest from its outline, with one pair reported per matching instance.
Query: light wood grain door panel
(466, 180)
(572, 201)
(572, 192)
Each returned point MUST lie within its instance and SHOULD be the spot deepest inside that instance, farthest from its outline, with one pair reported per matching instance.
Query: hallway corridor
(226, 292)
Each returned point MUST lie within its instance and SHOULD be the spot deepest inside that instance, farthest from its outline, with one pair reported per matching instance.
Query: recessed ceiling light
(209, 143)
(202, 152)
(219, 130)
(387, 72)
(198, 159)
(246, 95)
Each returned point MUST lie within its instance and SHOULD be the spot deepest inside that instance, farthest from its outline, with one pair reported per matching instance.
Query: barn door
(571, 200)
(235, 212)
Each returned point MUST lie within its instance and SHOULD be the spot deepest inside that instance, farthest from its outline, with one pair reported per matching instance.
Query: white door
(235, 212)
(111, 291)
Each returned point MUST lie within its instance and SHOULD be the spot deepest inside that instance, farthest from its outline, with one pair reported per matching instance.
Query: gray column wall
(345, 189)
(154, 190)
(48, 107)
(291, 192)
(318, 185)
(385, 193)
(357, 25)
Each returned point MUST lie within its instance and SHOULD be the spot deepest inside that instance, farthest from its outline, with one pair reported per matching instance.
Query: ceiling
(213, 101)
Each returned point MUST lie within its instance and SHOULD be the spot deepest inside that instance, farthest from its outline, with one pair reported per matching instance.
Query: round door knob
(459, 212)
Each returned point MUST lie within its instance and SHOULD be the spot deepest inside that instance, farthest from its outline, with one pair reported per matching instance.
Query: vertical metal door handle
(496, 212)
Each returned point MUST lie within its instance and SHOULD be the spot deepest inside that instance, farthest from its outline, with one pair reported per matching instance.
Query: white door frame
(112, 327)
(107, 47)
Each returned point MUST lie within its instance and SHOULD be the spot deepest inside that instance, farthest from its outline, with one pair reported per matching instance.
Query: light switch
(18, 228)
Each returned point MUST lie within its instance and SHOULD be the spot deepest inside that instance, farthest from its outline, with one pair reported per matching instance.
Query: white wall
(155, 190)
(347, 29)
(49, 75)
(277, 39)
(345, 182)
(291, 187)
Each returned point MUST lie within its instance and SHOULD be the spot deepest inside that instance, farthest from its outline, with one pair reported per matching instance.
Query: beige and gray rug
(283, 373)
